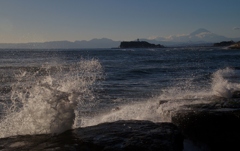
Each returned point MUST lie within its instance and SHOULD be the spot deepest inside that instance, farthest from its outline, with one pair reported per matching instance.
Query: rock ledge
(119, 135)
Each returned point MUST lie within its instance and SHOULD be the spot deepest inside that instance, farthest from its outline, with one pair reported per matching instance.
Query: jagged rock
(120, 136)
(216, 124)
(236, 94)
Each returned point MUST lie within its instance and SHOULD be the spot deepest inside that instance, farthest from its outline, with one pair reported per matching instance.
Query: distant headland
(224, 43)
(235, 46)
(230, 44)
(138, 44)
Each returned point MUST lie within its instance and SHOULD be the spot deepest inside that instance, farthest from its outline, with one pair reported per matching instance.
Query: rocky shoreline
(115, 136)
(211, 125)
(216, 125)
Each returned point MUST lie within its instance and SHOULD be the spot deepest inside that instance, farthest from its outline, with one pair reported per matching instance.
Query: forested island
(224, 43)
(230, 44)
(235, 46)
(139, 44)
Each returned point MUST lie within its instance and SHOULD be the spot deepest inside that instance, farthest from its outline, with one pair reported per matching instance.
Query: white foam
(176, 98)
(45, 101)
(221, 86)
(48, 102)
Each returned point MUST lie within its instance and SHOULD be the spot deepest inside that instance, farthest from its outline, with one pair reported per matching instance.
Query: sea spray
(181, 96)
(44, 100)
(223, 83)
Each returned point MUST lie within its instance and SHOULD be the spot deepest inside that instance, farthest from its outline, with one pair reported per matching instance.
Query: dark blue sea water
(42, 90)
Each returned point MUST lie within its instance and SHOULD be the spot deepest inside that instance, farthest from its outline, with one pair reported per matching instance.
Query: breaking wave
(223, 83)
(45, 100)
(49, 99)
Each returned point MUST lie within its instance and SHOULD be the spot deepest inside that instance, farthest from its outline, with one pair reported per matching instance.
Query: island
(235, 46)
(139, 44)
(224, 43)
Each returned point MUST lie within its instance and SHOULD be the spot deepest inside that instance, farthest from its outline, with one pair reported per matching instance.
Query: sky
(24, 21)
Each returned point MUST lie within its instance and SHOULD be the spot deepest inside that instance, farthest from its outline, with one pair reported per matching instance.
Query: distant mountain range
(198, 37)
(94, 43)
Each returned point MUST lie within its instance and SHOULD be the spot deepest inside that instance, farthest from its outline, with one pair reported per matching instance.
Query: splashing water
(45, 100)
(222, 85)
(173, 98)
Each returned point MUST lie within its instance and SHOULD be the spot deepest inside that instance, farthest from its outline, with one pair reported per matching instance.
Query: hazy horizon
(59, 20)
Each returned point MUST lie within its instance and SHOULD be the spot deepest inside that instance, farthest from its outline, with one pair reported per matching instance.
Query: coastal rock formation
(139, 44)
(211, 124)
(235, 46)
(120, 136)
(215, 124)
(218, 130)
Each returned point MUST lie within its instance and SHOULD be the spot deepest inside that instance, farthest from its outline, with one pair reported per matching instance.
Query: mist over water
(53, 91)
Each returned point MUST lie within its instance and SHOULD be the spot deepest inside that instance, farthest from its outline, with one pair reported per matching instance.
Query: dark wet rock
(217, 103)
(162, 102)
(236, 94)
(216, 124)
(119, 136)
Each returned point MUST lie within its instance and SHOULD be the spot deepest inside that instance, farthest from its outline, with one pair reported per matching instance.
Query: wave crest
(45, 100)
(223, 84)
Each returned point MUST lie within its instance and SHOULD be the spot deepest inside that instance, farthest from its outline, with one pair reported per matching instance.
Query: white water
(176, 97)
(47, 100)
(222, 85)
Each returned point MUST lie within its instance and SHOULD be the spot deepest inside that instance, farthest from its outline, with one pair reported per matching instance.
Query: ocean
(50, 91)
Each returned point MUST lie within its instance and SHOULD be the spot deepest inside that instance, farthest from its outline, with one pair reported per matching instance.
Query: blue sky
(50, 20)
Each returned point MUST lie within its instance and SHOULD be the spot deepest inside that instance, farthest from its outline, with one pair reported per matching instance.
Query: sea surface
(50, 91)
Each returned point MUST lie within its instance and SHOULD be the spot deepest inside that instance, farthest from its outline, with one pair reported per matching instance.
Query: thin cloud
(236, 28)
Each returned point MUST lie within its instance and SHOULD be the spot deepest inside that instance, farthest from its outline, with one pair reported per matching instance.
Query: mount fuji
(199, 36)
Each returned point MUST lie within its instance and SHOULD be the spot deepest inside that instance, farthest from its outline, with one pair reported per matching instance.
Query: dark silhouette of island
(139, 44)
(235, 46)
(224, 43)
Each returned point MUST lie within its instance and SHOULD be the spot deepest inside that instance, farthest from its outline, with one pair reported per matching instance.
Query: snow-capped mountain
(200, 35)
